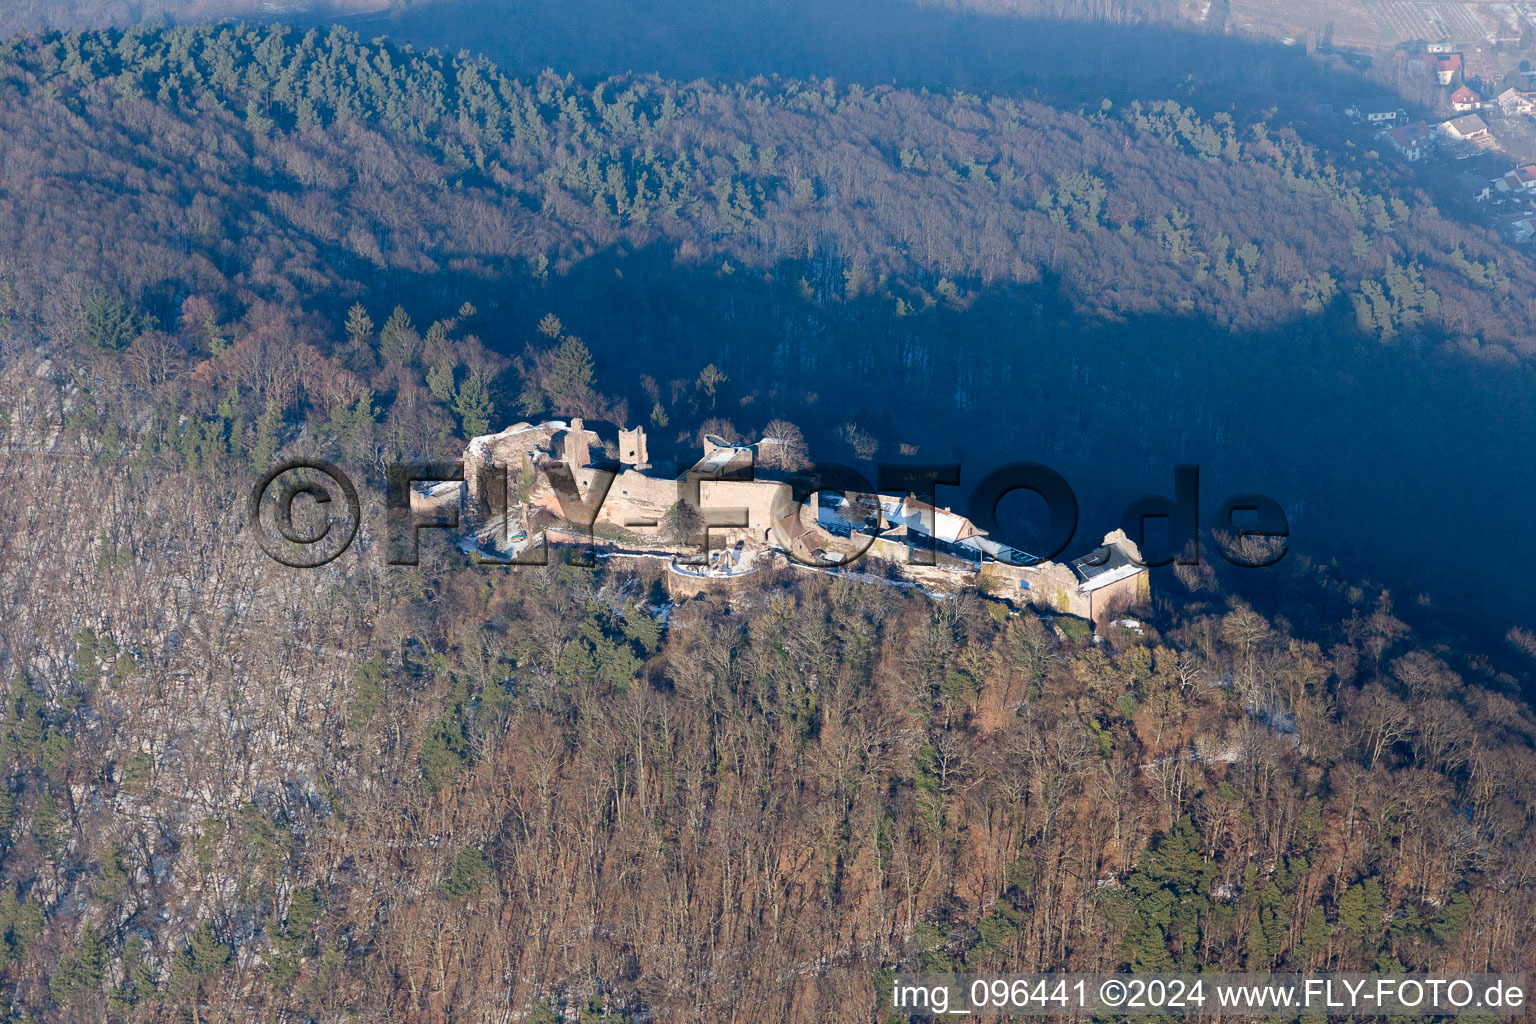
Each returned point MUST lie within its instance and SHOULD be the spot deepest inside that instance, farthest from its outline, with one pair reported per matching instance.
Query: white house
(1464, 99)
(1467, 128)
(1521, 179)
(1412, 141)
(1443, 66)
(1513, 101)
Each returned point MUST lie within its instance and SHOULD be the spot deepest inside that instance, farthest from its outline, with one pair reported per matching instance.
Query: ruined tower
(576, 446)
(632, 449)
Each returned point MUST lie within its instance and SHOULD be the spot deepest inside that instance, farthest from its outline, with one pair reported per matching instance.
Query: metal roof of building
(1109, 564)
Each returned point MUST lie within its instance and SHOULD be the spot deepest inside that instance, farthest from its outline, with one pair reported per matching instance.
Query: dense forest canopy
(63, 15)
(20, 16)
(1055, 50)
(238, 791)
(825, 238)
(454, 792)
(406, 162)
(1067, 50)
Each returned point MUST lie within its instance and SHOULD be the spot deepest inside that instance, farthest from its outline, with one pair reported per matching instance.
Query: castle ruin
(536, 479)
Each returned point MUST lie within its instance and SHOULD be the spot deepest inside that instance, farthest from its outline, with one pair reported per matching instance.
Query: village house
(1444, 66)
(1467, 128)
(533, 480)
(1411, 141)
(1521, 180)
(1464, 99)
(1379, 115)
(1514, 101)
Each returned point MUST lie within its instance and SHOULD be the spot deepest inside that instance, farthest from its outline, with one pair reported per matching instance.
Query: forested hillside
(21, 16)
(235, 790)
(330, 160)
(1121, 274)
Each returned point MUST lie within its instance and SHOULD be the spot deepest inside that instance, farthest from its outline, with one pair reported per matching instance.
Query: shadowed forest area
(1065, 52)
(449, 792)
(1110, 293)
(458, 793)
(1070, 52)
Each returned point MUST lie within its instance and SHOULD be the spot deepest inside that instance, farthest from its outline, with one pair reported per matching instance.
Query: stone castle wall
(636, 499)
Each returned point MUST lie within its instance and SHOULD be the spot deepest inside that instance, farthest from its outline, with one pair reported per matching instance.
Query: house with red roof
(1412, 141)
(1521, 179)
(1464, 100)
(1443, 66)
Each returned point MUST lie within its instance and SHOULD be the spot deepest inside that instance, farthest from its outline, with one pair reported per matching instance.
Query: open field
(1401, 21)
(1373, 23)
(1340, 22)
